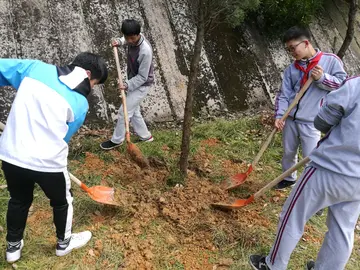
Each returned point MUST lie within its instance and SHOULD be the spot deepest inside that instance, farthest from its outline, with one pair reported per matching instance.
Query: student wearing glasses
(328, 73)
(326, 181)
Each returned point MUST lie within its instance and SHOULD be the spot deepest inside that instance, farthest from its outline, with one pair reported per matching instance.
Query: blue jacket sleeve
(74, 126)
(13, 71)
(336, 103)
(334, 78)
(284, 96)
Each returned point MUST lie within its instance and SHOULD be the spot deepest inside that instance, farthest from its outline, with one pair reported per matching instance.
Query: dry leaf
(275, 199)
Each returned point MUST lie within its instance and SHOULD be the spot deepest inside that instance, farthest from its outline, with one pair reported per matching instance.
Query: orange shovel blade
(235, 205)
(137, 155)
(102, 194)
(239, 178)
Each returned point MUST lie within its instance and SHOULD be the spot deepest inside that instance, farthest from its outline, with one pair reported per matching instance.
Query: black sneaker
(284, 184)
(257, 262)
(320, 212)
(108, 145)
(13, 251)
(310, 265)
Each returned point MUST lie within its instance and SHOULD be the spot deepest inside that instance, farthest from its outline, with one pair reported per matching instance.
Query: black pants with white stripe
(21, 183)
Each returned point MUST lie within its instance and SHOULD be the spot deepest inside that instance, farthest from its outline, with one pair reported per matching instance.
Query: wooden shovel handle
(281, 177)
(123, 96)
(78, 182)
(286, 114)
(297, 98)
(264, 147)
(75, 179)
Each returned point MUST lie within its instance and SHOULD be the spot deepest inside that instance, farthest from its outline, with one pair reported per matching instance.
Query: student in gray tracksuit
(332, 179)
(140, 71)
(328, 74)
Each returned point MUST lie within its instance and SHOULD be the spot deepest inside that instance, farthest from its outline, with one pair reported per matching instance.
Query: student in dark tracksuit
(49, 107)
(328, 73)
(332, 179)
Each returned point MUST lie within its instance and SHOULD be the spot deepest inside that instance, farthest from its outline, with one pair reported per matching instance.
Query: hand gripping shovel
(242, 202)
(99, 194)
(240, 178)
(132, 149)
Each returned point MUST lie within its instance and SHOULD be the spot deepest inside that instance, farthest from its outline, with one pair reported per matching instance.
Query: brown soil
(159, 224)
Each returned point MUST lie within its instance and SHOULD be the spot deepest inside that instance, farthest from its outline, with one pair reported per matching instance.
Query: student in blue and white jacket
(332, 179)
(49, 107)
(328, 73)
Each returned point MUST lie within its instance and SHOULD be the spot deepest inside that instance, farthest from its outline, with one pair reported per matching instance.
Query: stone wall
(240, 69)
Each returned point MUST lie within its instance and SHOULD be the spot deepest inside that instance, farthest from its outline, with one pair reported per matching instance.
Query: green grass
(237, 140)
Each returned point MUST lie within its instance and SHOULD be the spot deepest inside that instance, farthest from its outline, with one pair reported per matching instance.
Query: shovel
(99, 194)
(240, 178)
(132, 149)
(242, 202)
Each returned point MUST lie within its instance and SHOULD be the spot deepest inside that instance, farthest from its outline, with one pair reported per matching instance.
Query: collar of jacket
(75, 78)
(306, 61)
(141, 40)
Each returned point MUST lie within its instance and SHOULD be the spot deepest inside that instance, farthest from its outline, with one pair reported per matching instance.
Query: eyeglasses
(293, 48)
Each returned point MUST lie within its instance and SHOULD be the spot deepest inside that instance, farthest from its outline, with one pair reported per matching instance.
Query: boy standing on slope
(328, 73)
(49, 107)
(140, 71)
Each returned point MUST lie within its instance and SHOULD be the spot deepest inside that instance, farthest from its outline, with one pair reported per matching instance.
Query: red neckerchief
(312, 63)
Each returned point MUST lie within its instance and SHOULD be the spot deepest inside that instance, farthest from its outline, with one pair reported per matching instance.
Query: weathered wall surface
(239, 70)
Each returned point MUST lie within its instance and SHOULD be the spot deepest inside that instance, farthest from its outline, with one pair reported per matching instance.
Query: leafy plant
(275, 16)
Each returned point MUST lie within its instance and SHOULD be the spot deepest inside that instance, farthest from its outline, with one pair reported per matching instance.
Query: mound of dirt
(187, 229)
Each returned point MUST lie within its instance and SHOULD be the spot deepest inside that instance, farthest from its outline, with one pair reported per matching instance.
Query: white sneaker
(150, 139)
(13, 251)
(77, 240)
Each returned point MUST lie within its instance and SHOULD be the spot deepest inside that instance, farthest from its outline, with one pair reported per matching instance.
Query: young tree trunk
(350, 30)
(194, 71)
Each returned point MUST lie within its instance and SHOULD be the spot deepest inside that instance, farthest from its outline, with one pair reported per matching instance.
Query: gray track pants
(316, 189)
(133, 100)
(293, 135)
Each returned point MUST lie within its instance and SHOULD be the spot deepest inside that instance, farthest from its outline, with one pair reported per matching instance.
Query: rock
(226, 262)
(170, 240)
(91, 252)
(99, 245)
(148, 254)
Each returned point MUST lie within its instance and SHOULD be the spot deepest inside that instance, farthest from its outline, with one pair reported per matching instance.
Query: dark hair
(94, 63)
(296, 32)
(130, 27)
